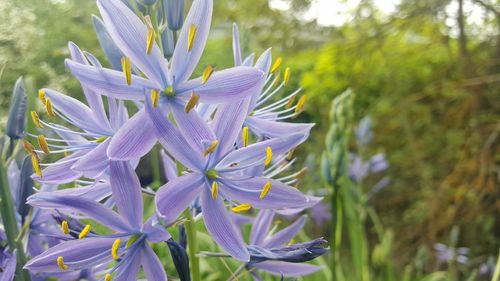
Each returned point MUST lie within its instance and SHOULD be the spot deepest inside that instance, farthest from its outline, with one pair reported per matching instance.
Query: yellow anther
(49, 108)
(65, 227)
(290, 102)
(300, 105)
(36, 119)
(276, 64)
(114, 248)
(85, 232)
(127, 70)
(241, 208)
(101, 139)
(244, 136)
(269, 156)
(290, 154)
(41, 95)
(42, 142)
(28, 147)
(206, 74)
(193, 101)
(66, 153)
(60, 263)
(278, 78)
(211, 148)
(215, 190)
(150, 41)
(36, 164)
(265, 190)
(286, 76)
(107, 277)
(155, 97)
(191, 36)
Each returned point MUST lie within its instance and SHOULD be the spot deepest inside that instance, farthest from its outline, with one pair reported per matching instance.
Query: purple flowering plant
(73, 208)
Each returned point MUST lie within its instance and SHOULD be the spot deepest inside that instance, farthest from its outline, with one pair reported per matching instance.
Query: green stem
(333, 236)
(10, 223)
(192, 247)
(496, 275)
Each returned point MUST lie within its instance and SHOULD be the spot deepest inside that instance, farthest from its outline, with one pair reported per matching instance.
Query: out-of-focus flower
(17, 111)
(128, 246)
(320, 213)
(173, 10)
(7, 264)
(446, 254)
(364, 133)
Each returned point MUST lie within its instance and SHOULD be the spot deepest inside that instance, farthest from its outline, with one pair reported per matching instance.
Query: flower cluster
(227, 151)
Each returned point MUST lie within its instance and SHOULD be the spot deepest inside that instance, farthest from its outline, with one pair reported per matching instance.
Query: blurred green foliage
(427, 74)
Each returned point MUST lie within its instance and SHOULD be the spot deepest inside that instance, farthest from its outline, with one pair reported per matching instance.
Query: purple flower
(166, 82)
(7, 264)
(127, 245)
(320, 213)
(446, 254)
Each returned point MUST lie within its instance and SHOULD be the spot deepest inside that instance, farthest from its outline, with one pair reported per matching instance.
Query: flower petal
(86, 206)
(248, 191)
(127, 192)
(169, 166)
(288, 269)
(60, 172)
(261, 226)
(175, 196)
(134, 139)
(109, 82)
(93, 163)
(130, 35)
(129, 267)
(274, 129)
(236, 45)
(183, 60)
(225, 85)
(285, 235)
(220, 226)
(112, 52)
(153, 269)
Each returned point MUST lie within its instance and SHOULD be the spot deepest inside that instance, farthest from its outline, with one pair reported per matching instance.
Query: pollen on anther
(215, 190)
(65, 227)
(41, 95)
(265, 190)
(107, 277)
(276, 64)
(286, 76)
(244, 136)
(193, 101)
(206, 74)
(241, 208)
(49, 108)
(211, 148)
(300, 105)
(42, 142)
(269, 156)
(155, 97)
(36, 164)
(36, 119)
(150, 40)
(114, 248)
(191, 36)
(85, 232)
(60, 263)
(127, 70)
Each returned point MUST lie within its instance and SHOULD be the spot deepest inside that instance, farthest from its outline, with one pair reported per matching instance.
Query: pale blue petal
(273, 129)
(285, 235)
(227, 124)
(236, 45)
(94, 163)
(261, 226)
(288, 269)
(153, 269)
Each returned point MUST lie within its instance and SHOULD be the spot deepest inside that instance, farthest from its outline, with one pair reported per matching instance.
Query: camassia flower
(166, 82)
(85, 146)
(127, 245)
(266, 119)
(216, 173)
(7, 263)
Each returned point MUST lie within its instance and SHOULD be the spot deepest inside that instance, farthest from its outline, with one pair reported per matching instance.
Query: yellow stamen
(28, 147)
(265, 190)
(290, 102)
(101, 139)
(150, 40)
(290, 154)
(49, 108)
(67, 153)
(300, 105)
(85, 232)
(206, 74)
(276, 64)
(36, 164)
(127, 70)
(193, 101)
(36, 119)
(244, 136)
(286, 76)
(42, 142)
(211, 148)
(60, 263)
(155, 97)
(114, 248)
(269, 156)
(278, 78)
(107, 277)
(301, 173)
(41, 95)
(191, 36)
(215, 190)
(241, 208)
(65, 227)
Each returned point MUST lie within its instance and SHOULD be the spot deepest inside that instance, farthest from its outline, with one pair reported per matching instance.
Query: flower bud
(174, 12)
(112, 52)
(16, 121)
(167, 39)
(25, 188)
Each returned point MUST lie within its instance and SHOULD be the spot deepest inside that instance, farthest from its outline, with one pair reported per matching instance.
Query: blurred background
(425, 127)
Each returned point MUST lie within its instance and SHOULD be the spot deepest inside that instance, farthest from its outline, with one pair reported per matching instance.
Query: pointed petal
(183, 60)
(127, 192)
(175, 196)
(77, 254)
(155, 230)
(261, 226)
(112, 52)
(172, 140)
(220, 226)
(169, 166)
(288, 269)
(248, 61)
(130, 35)
(285, 235)
(192, 127)
(109, 82)
(248, 191)
(264, 62)
(227, 124)
(60, 172)
(225, 85)
(134, 139)
(130, 266)
(236, 45)
(85, 206)
(95, 162)
(95, 192)
(274, 129)
(153, 269)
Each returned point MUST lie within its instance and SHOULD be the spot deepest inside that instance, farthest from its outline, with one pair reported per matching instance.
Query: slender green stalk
(496, 274)
(192, 247)
(155, 165)
(333, 236)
